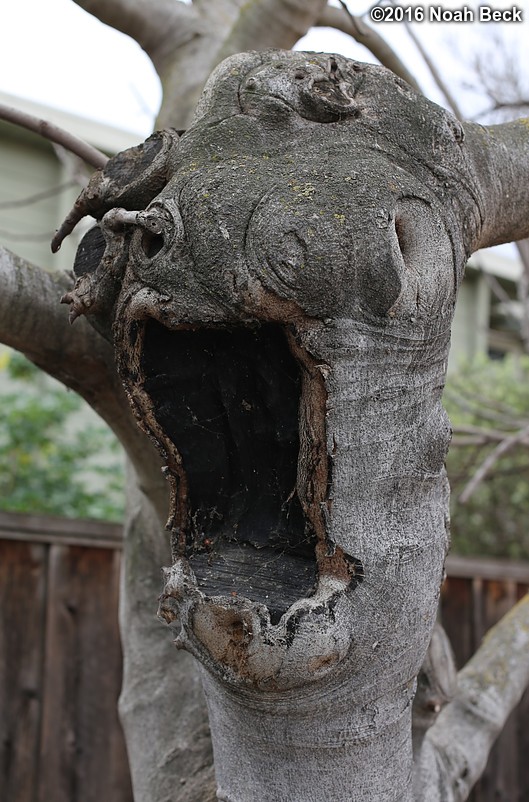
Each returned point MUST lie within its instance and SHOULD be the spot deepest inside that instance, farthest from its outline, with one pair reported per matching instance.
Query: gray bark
(365, 35)
(316, 217)
(455, 749)
(170, 751)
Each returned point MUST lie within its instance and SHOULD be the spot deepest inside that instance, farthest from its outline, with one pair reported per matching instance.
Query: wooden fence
(60, 661)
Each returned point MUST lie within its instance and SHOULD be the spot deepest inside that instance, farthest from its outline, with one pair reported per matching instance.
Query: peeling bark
(281, 299)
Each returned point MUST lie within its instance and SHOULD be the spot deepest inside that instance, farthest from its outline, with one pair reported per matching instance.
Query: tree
(280, 283)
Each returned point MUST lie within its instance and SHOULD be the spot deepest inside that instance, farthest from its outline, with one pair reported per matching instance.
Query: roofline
(102, 136)
(487, 261)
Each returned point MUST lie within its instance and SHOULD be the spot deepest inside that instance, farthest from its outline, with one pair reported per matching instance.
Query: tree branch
(365, 35)
(36, 197)
(434, 72)
(271, 23)
(490, 686)
(488, 463)
(486, 435)
(159, 26)
(500, 157)
(34, 322)
(55, 134)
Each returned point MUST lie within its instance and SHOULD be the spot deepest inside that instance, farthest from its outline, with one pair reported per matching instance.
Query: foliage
(56, 456)
(488, 402)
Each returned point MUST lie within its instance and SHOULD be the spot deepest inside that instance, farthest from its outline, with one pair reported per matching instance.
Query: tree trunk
(281, 282)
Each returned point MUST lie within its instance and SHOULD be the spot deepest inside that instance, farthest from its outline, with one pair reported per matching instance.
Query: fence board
(22, 610)
(52, 529)
(457, 617)
(82, 753)
(522, 732)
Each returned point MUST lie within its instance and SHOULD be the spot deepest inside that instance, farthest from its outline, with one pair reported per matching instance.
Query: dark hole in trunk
(229, 401)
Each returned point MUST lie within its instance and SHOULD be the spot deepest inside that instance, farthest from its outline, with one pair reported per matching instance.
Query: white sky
(47, 47)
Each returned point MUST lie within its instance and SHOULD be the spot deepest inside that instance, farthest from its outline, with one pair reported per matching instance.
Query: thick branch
(55, 134)
(156, 25)
(500, 156)
(271, 23)
(33, 321)
(364, 35)
(489, 687)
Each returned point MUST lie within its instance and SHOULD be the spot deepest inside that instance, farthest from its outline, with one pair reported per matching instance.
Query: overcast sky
(47, 47)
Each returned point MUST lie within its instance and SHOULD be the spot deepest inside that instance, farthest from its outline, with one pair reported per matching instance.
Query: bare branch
(487, 409)
(55, 134)
(495, 74)
(508, 105)
(365, 35)
(37, 196)
(489, 462)
(33, 322)
(490, 686)
(23, 236)
(73, 165)
(500, 157)
(486, 435)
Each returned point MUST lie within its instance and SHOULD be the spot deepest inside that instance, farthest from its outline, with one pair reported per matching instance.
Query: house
(39, 181)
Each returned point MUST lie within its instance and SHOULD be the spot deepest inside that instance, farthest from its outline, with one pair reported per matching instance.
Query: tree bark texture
(281, 282)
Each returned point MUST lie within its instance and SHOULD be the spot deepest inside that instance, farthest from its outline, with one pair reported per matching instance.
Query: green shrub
(56, 456)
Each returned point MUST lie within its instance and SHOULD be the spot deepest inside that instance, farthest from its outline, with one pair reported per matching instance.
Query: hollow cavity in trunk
(229, 400)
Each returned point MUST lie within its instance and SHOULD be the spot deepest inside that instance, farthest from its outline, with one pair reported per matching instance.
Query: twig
(353, 20)
(490, 435)
(500, 105)
(89, 154)
(487, 410)
(37, 196)
(487, 464)
(23, 236)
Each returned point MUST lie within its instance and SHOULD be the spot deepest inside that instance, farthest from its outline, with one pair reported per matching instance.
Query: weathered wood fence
(60, 661)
